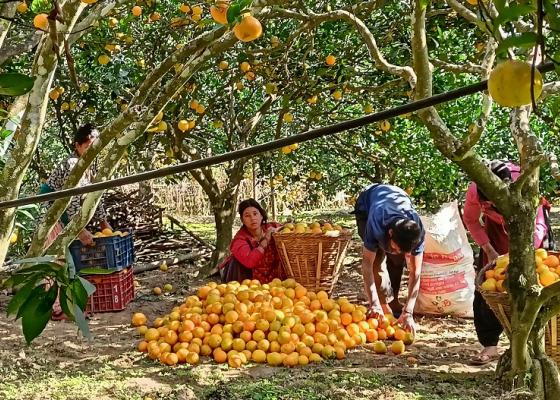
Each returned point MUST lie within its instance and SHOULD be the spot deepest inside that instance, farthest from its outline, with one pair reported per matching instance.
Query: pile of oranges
(547, 268)
(280, 323)
(313, 227)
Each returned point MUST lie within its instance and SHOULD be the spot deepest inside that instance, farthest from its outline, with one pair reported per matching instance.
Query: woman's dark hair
(252, 203)
(406, 234)
(501, 170)
(85, 133)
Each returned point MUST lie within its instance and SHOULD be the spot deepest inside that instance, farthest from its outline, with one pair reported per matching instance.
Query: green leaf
(37, 316)
(500, 4)
(41, 6)
(14, 84)
(20, 297)
(525, 40)
(79, 294)
(25, 213)
(30, 302)
(96, 271)
(551, 15)
(70, 262)
(81, 321)
(88, 286)
(35, 260)
(513, 13)
(46, 268)
(66, 304)
(233, 12)
(4, 133)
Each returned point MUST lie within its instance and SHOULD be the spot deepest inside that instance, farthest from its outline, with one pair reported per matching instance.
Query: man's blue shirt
(385, 204)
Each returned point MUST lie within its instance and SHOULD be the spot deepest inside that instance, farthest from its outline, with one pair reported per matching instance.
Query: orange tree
(422, 55)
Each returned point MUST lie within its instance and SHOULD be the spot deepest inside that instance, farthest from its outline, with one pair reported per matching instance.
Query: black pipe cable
(260, 148)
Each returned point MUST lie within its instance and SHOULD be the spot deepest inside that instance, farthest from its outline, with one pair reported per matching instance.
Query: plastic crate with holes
(113, 291)
(114, 252)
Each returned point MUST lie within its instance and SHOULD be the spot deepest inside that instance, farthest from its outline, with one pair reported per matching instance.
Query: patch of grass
(206, 231)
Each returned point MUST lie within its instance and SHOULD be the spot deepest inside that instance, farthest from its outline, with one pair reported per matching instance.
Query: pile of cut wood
(153, 243)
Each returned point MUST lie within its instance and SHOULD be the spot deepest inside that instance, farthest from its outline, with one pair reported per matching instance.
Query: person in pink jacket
(492, 237)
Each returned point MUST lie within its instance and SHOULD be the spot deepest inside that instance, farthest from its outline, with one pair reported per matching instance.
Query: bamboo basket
(499, 303)
(312, 259)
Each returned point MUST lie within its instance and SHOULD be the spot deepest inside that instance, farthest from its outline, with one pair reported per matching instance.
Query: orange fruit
(171, 337)
(379, 347)
(551, 261)
(22, 7)
(397, 347)
(371, 335)
(231, 317)
(408, 338)
(330, 60)
(510, 84)
(248, 29)
(41, 22)
(171, 359)
(399, 334)
(547, 278)
(274, 358)
(258, 356)
(315, 358)
(382, 334)
(142, 346)
(220, 356)
(151, 334)
(139, 319)
(219, 13)
(136, 11)
(182, 355)
(263, 345)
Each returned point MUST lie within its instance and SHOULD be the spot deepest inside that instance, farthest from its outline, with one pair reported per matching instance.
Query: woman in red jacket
(253, 254)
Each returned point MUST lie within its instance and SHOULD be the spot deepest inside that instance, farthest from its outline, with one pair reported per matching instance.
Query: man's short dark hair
(84, 133)
(406, 234)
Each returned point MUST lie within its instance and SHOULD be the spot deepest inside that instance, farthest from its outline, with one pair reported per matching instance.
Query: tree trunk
(532, 373)
(224, 215)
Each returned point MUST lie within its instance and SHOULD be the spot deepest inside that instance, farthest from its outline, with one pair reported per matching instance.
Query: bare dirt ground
(62, 365)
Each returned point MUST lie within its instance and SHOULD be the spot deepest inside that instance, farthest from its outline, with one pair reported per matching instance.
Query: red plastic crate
(113, 292)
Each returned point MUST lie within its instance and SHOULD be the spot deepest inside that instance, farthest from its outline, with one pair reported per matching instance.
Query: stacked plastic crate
(108, 264)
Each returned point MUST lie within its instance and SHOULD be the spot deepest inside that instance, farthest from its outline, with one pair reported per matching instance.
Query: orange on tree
(219, 12)
(136, 11)
(248, 29)
(40, 21)
(22, 7)
(509, 83)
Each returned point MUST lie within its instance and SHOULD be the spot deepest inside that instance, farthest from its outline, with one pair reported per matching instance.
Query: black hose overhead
(260, 148)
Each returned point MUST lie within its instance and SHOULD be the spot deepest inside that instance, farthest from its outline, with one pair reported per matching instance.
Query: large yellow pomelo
(509, 83)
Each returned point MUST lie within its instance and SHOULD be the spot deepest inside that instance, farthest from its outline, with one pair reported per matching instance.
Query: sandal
(483, 359)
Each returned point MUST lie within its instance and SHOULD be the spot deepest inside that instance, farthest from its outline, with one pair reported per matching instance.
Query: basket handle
(319, 259)
(287, 259)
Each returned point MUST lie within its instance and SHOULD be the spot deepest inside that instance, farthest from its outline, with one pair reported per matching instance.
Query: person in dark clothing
(391, 229)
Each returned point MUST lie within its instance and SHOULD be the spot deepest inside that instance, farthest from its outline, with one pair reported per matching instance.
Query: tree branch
(463, 11)
(476, 129)
(467, 67)
(528, 170)
(20, 48)
(554, 168)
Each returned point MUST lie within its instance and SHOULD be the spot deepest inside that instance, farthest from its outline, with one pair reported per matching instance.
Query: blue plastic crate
(114, 253)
